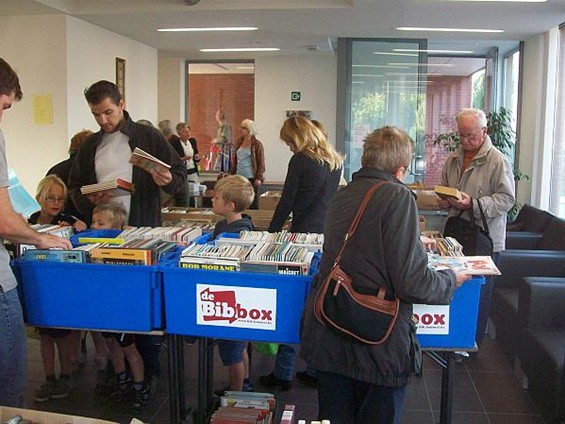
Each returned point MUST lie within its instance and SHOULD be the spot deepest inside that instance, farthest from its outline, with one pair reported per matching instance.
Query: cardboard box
(423, 223)
(426, 199)
(269, 200)
(175, 214)
(40, 417)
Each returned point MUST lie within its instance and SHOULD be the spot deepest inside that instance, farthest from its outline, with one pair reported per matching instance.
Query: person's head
(220, 115)
(106, 104)
(183, 130)
(320, 127)
(247, 128)
(108, 216)
(51, 195)
(301, 135)
(78, 139)
(145, 122)
(10, 89)
(472, 128)
(232, 194)
(388, 149)
(166, 127)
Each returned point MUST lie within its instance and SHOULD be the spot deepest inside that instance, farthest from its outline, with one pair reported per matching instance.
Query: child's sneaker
(44, 392)
(247, 385)
(140, 397)
(62, 388)
(122, 391)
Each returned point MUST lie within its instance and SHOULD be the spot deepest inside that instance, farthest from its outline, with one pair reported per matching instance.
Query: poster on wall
(121, 76)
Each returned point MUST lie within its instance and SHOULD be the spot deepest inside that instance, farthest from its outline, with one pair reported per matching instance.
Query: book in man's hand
(118, 187)
(448, 192)
(144, 160)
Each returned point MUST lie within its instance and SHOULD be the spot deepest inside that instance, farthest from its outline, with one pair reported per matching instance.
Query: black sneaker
(306, 379)
(274, 382)
(140, 398)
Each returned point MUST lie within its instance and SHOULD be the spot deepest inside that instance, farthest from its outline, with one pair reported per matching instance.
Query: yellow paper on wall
(42, 109)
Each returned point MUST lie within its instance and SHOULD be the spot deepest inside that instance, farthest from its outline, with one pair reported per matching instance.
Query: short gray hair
(478, 114)
(387, 149)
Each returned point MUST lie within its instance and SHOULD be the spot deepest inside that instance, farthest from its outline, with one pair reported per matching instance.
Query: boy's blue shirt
(243, 224)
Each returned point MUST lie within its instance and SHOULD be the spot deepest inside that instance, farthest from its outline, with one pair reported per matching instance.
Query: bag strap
(357, 218)
(483, 218)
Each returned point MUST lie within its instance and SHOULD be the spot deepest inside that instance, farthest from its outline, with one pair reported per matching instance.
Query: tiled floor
(485, 391)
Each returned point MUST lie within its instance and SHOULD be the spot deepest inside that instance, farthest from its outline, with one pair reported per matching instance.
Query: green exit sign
(295, 96)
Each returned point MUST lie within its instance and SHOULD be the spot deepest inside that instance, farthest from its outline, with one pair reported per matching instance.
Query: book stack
(448, 192)
(449, 246)
(214, 256)
(245, 407)
(117, 187)
(279, 258)
(65, 231)
(177, 234)
(282, 236)
(132, 252)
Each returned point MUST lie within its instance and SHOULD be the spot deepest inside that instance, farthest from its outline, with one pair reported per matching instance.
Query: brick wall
(234, 93)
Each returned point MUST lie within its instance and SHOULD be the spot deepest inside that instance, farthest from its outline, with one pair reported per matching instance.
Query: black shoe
(272, 381)
(307, 379)
(140, 398)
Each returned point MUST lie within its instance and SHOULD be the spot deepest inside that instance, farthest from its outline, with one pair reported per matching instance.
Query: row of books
(245, 407)
(65, 231)
(131, 252)
(449, 246)
(234, 254)
(282, 236)
(184, 234)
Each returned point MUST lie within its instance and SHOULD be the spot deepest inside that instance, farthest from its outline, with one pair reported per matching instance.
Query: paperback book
(472, 265)
(118, 187)
(146, 161)
(55, 255)
(448, 192)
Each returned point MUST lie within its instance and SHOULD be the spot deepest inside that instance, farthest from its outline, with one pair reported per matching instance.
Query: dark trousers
(255, 203)
(343, 400)
(484, 303)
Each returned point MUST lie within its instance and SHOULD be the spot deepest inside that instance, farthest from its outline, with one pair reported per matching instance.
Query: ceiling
(301, 27)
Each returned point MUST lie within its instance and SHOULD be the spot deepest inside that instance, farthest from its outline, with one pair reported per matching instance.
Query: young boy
(122, 345)
(232, 195)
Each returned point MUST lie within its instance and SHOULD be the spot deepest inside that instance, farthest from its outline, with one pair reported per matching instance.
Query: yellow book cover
(117, 255)
(448, 192)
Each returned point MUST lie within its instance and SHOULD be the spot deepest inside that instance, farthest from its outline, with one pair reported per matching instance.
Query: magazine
(472, 265)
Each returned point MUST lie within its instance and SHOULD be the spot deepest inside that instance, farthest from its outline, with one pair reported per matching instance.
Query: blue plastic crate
(460, 316)
(197, 303)
(91, 296)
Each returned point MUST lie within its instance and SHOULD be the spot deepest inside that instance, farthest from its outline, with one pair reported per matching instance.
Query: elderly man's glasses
(472, 136)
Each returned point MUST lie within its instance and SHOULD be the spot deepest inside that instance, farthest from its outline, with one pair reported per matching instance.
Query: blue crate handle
(94, 233)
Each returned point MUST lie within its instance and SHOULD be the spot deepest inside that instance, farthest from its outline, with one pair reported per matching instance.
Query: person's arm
(288, 197)
(503, 194)
(260, 161)
(15, 229)
(196, 153)
(173, 180)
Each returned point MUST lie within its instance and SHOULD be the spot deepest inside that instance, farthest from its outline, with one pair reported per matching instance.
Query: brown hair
(9, 81)
(78, 139)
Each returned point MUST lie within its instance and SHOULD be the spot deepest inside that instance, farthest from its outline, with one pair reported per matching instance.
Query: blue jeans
(343, 400)
(13, 374)
(284, 364)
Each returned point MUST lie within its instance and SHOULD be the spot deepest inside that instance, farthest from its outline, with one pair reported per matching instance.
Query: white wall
(275, 78)
(39, 58)
(61, 56)
(172, 89)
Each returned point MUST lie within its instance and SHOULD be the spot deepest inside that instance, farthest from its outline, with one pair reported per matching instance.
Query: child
(107, 216)
(232, 195)
(51, 195)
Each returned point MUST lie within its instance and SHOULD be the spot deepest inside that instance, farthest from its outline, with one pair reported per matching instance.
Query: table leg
(446, 390)
(202, 380)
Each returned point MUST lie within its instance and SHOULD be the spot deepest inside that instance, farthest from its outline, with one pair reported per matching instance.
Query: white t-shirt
(112, 161)
(7, 279)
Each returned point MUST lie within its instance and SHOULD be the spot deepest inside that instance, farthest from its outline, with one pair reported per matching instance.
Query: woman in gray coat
(358, 383)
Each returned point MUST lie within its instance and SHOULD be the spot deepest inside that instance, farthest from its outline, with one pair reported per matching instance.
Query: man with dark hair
(104, 157)
(15, 229)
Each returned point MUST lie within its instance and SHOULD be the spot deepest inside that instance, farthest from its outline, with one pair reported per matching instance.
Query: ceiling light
(448, 29)
(204, 29)
(367, 75)
(393, 65)
(243, 49)
(395, 54)
(435, 51)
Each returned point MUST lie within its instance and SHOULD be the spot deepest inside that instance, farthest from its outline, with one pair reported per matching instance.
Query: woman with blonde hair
(311, 182)
(249, 157)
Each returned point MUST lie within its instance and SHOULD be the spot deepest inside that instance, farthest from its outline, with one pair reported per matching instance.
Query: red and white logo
(431, 319)
(234, 306)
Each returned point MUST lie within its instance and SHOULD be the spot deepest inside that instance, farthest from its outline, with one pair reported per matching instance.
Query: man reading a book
(482, 174)
(105, 157)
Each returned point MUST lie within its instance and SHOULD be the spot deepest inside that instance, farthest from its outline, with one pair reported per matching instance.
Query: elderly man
(482, 174)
